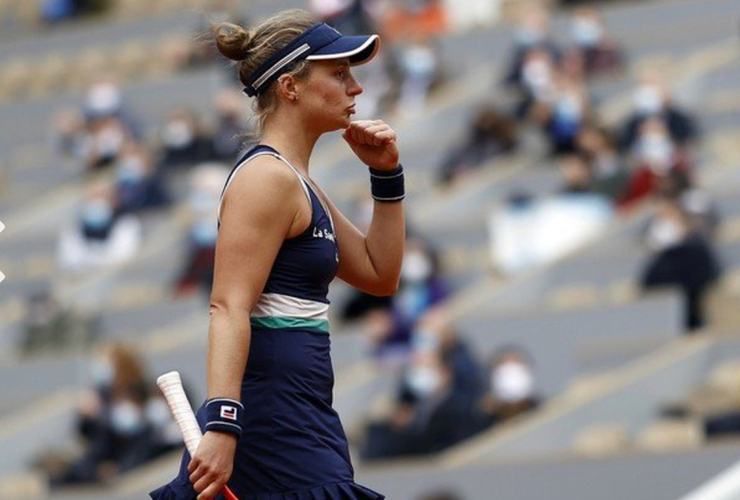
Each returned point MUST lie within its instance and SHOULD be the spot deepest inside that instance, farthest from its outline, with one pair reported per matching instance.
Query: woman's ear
(287, 87)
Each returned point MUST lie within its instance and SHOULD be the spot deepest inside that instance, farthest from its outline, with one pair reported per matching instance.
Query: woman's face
(328, 95)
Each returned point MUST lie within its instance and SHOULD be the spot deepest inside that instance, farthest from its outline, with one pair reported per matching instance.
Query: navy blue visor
(319, 42)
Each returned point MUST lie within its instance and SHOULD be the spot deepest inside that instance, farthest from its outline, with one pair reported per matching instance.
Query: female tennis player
(269, 428)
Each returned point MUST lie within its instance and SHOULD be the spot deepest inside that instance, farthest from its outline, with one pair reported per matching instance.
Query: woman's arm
(372, 262)
(261, 208)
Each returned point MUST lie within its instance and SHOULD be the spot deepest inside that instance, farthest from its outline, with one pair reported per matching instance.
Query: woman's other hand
(212, 464)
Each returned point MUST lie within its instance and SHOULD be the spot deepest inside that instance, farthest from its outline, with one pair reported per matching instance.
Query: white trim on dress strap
(261, 153)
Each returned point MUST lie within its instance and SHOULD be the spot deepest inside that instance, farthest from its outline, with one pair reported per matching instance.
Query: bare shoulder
(263, 184)
(265, 179)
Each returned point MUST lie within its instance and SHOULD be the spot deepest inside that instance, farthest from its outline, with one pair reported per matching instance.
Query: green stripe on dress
(281, 322)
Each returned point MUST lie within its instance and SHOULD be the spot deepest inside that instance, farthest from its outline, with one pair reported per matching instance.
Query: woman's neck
(291, 139)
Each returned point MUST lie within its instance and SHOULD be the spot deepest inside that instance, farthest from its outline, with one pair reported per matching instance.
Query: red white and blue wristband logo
(224, 414)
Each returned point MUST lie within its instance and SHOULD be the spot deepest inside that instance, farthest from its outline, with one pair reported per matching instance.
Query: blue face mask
(97, 215)
(130, 171)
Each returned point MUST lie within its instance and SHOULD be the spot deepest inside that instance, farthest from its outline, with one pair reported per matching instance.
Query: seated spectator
(658, 160)
(681, 258)
(422, 284)
(430, 415)
(434, 405)
(419, 58)
(183, 141)
(103, 142)
(532, 34)
(206, 184)
(122, 422)
(512, 388)
(100, 237)
(49, 325)
(104, 100)
(538, 76)
(653, 100)
(492, 134)
(566, 114)
(138, 185)
(599, 53)
(230, 126)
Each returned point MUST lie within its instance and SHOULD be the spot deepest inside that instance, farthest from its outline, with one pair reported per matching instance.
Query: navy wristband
(387, 185)
(225, 415)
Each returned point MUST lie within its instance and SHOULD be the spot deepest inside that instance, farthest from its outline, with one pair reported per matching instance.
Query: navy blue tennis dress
(292, 446)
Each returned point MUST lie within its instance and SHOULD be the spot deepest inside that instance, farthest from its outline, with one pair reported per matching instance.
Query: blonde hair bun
(232, 41)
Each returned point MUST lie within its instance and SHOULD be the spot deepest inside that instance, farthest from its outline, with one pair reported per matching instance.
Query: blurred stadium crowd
(572, 269)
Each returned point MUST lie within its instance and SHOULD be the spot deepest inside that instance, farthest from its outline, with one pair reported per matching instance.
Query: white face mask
(586, 33)
(104, 99)
(417, 267)
(665, 233)
(648, 99)
(177, 134)
(536, 76)
(656, 149)
(423, 380)
(126, 418)
(512, 381)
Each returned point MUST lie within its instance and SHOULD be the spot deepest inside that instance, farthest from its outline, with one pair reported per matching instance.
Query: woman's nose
(354, 87)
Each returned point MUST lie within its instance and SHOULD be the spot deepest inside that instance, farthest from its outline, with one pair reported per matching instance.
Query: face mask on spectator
(537, 77)
(512, 381)
(108, 141)
(568, 109)
(656, 149)
(528, 37)
(126, 418)
(665, 233)
(103, 99)
(419, 60)
(417, 267)
(648, 100)
(131, 170)
(177, 134)
(97, 215)
(586, 33)
(423, 380)
(101, 372)
(425, 340)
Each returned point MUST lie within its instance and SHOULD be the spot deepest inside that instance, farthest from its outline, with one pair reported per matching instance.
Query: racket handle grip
(171, 386)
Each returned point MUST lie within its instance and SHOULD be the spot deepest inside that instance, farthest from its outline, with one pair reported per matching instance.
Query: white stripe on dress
(286, 306)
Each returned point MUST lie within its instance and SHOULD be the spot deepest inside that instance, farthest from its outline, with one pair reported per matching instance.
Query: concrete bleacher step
(671, 435)
(601, 440)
